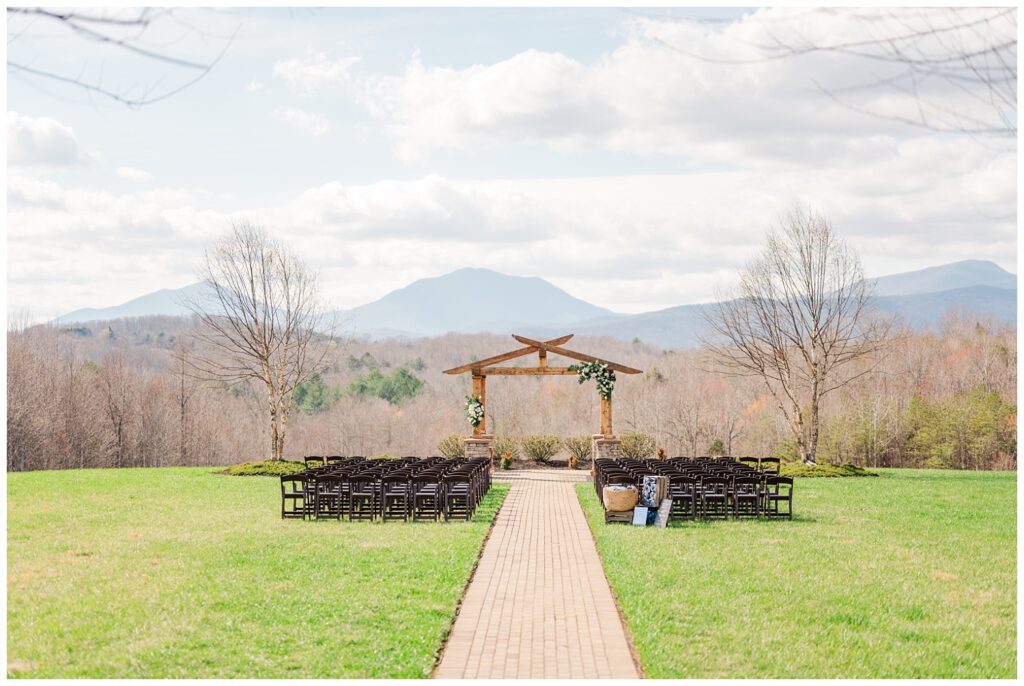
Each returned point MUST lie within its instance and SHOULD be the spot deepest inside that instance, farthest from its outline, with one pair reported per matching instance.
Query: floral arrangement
(474, 410)
(601, 373)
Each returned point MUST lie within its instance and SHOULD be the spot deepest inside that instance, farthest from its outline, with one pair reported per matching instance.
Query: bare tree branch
(971, 51)
(102, 29)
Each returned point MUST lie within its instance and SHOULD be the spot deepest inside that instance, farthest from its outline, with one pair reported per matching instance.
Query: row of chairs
(708, 488)
(406, 488)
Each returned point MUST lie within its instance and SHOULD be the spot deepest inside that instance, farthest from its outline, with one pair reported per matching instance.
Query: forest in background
(119, 394)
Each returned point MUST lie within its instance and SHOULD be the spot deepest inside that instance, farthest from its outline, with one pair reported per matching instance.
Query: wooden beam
(553, 348)
(526, 371)
(505, 357)
(480, 391)
(606, 417)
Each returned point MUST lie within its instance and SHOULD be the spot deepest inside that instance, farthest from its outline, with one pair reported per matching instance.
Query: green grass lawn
(913, 574)
(183, 573)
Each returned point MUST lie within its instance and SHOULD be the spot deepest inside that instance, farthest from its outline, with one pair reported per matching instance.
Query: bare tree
(262, 319)
(118, 387)
(799, 317)
(185, 388)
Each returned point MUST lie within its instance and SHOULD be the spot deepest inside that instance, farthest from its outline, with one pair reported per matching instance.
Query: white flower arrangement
(474, 410)
(601, 373)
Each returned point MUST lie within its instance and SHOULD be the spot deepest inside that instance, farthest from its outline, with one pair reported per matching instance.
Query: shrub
(506, 463)
(267, 468)
(637, 446)
(313, 396)
(541, 447)
(394, 388)
(384, 456)
(823, 470)
(452, 445)
(506, 446)
(579, 448)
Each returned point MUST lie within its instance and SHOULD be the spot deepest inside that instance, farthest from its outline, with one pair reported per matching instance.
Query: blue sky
(585, 146)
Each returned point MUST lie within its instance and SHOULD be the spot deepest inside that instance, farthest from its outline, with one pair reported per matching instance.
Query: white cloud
(654, 95)
(255, 87)
(40, 141)
(313, 122)
(133, 174)
(314, 71)
(631, 243)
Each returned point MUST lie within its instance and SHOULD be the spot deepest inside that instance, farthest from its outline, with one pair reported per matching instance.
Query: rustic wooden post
(480, 391)
(606, 416)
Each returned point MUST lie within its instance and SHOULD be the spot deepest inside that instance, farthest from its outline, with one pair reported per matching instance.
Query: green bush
(541, 447)
(266, 468)
(637, 446)
(394, 388)
(313, 396)
(384, 456)
(823, 470)
(506, 445)
(452, 445)
(579, 448)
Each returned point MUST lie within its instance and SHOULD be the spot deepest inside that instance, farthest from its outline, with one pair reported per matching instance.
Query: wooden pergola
(481, 369)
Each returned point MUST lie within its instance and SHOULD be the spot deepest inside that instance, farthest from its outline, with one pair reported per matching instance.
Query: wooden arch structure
(481, 369)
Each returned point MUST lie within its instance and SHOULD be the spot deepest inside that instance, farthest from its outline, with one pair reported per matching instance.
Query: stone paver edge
(615, 596)
(439, 653)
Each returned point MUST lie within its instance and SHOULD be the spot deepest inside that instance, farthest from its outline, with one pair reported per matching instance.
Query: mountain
(923, 310)
(946, 277)
(469, 300)
(168, 302)
(474, 300)
(681, 326)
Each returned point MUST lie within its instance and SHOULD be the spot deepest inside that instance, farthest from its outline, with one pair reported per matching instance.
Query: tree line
(122, 396)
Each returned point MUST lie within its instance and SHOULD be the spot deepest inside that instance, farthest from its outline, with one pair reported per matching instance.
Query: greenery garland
(601, 373)
(474, 410)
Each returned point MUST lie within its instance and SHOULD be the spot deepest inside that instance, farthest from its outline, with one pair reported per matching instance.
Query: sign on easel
(663, 511)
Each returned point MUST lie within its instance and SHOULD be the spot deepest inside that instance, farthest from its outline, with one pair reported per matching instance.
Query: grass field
(912, 574)
(183, 573)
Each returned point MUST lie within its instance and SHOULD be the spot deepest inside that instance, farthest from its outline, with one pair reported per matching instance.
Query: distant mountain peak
(945, 277)
(472, 299)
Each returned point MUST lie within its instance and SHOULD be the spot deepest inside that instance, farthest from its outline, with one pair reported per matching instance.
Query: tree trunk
(812, 442)
(273, 433)
(282, 420)
(797, 426)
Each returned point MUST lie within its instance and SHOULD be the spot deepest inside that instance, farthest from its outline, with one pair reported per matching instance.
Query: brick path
(539, 605)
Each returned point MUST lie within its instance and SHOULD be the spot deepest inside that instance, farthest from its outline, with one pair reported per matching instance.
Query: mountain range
(477, 300)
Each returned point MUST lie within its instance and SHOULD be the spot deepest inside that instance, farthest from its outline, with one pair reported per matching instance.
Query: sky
(633, 157)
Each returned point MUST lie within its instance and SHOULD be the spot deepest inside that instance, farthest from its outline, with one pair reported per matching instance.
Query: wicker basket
(618, 499)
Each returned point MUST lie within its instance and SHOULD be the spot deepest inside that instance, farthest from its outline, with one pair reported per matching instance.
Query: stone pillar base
(604, 446)
(480, 446)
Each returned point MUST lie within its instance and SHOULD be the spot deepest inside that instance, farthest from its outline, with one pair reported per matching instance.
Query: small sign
(663, 510)
(639, 516)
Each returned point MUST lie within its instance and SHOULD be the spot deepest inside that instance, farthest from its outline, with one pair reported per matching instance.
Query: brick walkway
(539, 605)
